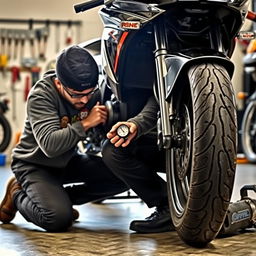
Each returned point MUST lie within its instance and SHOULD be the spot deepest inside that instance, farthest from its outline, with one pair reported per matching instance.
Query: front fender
(177, 68)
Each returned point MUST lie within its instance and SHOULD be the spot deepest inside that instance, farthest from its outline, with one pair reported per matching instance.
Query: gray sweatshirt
(52, 128)
(146, 120)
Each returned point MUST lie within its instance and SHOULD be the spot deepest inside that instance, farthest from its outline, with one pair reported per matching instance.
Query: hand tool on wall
(45, 34)
(32, 44)
(3, 63)
(16, 44)
(35, 72)
(38, 35)
(27, 87)
(3, 55)
(15, 77)
(9, 43)
(69, 33)
(31, 35)
(57, 36)
(3, 36)
(22, 45)
(78, 33)
(1, 47)
(28, 63)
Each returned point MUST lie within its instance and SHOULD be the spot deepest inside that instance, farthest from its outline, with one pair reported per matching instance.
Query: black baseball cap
(77, 69)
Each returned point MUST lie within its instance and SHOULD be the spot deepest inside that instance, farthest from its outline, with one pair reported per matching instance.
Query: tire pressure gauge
(123, 131)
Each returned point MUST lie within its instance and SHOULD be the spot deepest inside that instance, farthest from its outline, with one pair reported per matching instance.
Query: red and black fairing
(128, 59)
(192, 28)
(129, 52)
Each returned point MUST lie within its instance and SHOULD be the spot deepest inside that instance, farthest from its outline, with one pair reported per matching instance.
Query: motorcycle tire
(201, 163)
(248, 132)
(5, 133)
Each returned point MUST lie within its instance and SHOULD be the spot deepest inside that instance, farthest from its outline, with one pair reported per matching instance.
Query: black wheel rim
(5, 133)
(180, 159)
(2, 134)
(250, 134)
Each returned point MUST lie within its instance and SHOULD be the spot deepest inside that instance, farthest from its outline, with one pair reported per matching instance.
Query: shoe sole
(167, 227)
(3, 210)
(160, 230)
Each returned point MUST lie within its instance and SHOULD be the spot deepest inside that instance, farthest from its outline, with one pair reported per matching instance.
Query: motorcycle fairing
(142, 12)
(196, 38)
(126, 72)
(121, 48)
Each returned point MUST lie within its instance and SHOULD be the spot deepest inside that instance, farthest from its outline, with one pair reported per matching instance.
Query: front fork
(164, 127)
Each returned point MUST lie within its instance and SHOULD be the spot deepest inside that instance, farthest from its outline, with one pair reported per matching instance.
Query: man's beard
(79, 105)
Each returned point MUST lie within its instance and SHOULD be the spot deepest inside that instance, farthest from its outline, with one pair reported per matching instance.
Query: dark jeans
(44, 200)
(137, 165)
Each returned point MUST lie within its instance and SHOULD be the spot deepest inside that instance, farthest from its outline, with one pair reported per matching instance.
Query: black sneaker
(158, 221)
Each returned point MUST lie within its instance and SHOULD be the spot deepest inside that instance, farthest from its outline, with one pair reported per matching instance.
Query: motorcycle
(180, 50)
(5, 127)
(248, 124)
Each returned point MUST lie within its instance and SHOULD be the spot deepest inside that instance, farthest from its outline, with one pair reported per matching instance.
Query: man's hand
(98, 115)
(116, 140)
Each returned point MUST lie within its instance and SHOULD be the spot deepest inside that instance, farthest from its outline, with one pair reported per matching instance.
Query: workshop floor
(103, 229)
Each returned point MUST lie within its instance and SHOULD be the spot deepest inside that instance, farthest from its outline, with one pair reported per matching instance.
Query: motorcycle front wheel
(202, 160)
(5, 133)
(248, 132)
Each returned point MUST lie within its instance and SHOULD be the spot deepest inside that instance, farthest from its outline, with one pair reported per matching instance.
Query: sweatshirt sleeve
(146, 120)
(44, 119)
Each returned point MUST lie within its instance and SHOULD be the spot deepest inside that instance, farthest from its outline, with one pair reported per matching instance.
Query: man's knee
(57, 220)
(107, 151)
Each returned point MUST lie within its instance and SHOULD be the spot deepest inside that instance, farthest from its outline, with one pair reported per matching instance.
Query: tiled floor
(102, 229)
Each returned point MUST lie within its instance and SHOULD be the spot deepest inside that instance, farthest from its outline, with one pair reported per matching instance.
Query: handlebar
(87, 5)
(244, 189)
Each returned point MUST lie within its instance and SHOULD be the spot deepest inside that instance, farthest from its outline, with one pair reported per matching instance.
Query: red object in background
(251, 16)
(15, 74)
(69, 34)
(27, 87)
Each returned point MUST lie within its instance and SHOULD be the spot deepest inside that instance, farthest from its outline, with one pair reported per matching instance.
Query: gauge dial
(123, 131)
